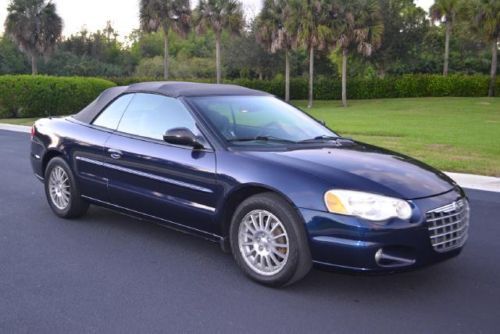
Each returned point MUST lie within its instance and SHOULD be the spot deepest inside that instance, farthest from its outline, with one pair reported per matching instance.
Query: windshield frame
(257, 144)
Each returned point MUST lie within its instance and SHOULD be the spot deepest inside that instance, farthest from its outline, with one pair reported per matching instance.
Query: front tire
(269, 242)
(62, 190)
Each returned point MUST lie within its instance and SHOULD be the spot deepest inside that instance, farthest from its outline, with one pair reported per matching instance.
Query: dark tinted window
(150, 116)
(111, 116)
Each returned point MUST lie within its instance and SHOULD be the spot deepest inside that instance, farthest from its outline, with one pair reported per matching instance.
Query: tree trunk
(344, 77)
(493, 72)
(165, 55)
(287, 75)
(34, 66)
(217, 57)
(311, 77)
(447, 48)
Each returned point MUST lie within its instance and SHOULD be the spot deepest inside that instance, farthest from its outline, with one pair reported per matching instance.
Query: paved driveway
(111, 273)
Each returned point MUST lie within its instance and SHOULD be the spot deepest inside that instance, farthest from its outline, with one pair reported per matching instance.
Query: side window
(111, 116)
(150, 115)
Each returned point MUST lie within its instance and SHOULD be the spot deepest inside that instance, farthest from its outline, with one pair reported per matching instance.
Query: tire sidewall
(285, 213)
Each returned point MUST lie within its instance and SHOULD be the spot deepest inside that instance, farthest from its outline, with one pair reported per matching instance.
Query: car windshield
(244, 120)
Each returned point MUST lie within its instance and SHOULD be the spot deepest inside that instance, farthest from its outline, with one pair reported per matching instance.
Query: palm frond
(34, 26)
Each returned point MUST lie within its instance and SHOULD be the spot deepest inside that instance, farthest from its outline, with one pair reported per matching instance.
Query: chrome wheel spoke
(266, 223)
(274, 258)
(253, 222)
(263, 242)
(275, 252)
(249, 227)
(279, 236)
(274, 227)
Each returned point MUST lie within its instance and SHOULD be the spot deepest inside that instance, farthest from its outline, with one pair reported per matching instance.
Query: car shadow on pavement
(318, 282)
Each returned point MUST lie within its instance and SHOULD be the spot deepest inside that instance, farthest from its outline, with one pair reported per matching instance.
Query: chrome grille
(448, 225)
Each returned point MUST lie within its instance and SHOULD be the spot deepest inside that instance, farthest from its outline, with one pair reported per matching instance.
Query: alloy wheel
(59, 188)
(263, 242)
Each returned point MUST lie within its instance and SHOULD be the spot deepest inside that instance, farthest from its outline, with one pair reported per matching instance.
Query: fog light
(383, 259)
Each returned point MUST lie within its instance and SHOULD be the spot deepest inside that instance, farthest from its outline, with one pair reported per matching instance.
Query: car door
(149, 176)
(88, 147)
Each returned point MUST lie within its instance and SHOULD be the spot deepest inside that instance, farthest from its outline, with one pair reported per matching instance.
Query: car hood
(363, 167)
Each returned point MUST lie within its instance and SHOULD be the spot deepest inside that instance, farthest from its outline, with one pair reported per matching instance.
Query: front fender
(302, 190)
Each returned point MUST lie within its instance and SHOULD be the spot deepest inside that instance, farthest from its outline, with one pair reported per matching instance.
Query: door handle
(115, 154)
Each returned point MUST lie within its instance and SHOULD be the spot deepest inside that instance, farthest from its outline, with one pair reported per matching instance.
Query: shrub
(37, 96)
(126, 81)
(409, 85)
(186, 68)
(150, 67)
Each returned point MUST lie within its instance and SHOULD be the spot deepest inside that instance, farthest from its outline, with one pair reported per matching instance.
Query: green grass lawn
(452, 134)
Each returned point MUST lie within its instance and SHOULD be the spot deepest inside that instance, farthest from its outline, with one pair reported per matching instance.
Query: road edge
(14, 127)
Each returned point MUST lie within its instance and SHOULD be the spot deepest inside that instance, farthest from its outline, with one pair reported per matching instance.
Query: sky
(123, 14)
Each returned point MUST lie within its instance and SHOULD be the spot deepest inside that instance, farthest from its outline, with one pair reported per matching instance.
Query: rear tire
(269, 241)
(62, 190)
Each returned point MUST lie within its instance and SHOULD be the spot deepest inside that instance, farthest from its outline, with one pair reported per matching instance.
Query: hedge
(126, 81)
(417, 85)
(37, 96)
(410, 85)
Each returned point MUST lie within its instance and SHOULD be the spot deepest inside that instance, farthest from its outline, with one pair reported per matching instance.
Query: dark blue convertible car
(237, 166)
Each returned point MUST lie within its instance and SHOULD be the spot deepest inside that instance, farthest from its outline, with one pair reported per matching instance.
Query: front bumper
(353, 244)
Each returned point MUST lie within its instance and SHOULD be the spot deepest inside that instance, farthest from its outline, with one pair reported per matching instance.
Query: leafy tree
(148, 45)
(446, 11)
(486, 22)
(99, 53)
(64, 63)
(245, 58)
(11, 59)
(168, 15)
(309, 19)
(187, 69)
(358, 27)
(274, 32)
(219, 16)
(405, 27)
(34, 26)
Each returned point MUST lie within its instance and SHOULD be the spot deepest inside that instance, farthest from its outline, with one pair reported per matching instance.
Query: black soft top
(171, 89)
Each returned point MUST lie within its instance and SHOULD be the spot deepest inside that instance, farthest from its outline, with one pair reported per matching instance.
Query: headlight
(366, 205)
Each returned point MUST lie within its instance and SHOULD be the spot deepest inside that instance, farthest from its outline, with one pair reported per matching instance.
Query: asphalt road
(110, 273)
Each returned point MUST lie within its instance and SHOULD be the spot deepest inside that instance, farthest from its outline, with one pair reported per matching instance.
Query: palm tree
(357, 25)
(309, 19)
(274, 33)
(169, 15)
(445, 11)
(486, 14)
(219, 16)
(34, 26)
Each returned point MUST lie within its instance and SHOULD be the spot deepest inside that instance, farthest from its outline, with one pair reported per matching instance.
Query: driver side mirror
(182, 137)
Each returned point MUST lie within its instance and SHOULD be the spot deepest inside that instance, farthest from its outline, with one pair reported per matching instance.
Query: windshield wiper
(323, 139)
(262, 138)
